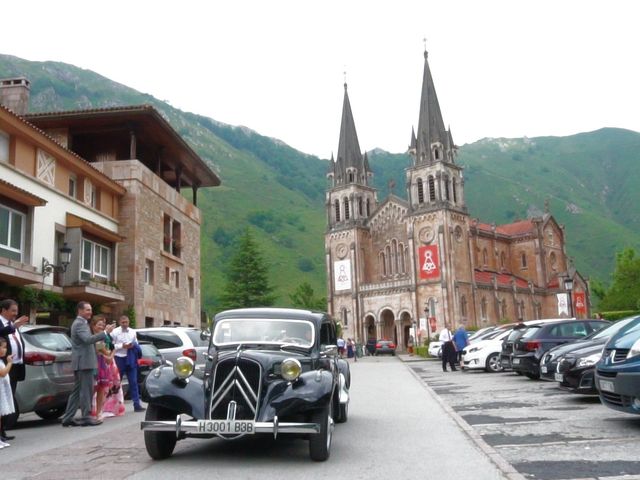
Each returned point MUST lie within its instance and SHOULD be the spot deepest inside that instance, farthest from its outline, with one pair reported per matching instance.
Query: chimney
(14, 94)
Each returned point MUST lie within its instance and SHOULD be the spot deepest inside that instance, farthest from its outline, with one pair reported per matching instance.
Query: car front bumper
(193, 427)
(620, 392)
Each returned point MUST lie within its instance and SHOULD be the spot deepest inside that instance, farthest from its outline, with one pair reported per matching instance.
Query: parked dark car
(268, 370)
(384, 347)
(573, 364)
(539, 339)
(506, 354)
(151, 358)
(48, 373)
(618, 372)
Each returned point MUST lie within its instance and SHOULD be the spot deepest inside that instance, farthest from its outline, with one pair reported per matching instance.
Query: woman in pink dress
(109, 400)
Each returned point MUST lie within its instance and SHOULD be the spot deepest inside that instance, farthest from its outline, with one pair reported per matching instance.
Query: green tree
(624, 293)
(247, 282)
(304, 297)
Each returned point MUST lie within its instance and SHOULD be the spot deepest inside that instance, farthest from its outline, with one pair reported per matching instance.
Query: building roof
(504, 279)
(20, 195)
(147, 122)
(520, 227)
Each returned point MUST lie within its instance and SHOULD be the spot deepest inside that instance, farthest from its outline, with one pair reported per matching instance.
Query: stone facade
(408, 267)
(161, 278)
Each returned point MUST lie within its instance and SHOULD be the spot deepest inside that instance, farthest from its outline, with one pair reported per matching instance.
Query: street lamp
(568, 286)
(65, 260)
(426, 319)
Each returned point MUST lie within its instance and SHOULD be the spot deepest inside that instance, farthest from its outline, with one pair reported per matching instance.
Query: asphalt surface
(543, 432)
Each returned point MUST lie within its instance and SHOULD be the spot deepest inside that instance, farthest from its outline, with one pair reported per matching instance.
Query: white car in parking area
(435, 349)
(485, 354)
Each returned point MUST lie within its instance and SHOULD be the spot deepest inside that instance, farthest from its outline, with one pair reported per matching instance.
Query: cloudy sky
(502, 68)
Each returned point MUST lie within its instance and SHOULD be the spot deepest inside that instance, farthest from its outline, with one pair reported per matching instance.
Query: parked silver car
(175, 342)
(48, 373)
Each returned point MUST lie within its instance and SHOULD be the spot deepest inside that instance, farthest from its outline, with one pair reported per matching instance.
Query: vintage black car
(268, 370)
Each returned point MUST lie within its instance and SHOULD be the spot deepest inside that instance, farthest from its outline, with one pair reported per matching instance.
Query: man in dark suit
(84, 362)
(15, 347)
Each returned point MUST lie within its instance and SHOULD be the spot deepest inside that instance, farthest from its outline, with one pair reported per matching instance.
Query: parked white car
(435, 348)
(485, 354)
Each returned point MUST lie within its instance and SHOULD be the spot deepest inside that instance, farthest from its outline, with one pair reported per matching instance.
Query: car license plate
(559, 377)
(607, 386)
(232, 427)
(516, 361)
(543, 369)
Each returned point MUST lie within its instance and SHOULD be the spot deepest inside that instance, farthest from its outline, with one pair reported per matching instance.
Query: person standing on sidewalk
(9, 330)
(84, 362)
(126, 343)
(6, 398)
(448, 349)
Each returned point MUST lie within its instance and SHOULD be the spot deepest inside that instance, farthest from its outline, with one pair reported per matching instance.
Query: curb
(498, 460)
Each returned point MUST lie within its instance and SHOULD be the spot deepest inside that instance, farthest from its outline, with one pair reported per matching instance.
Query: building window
(345, 317)
(523, 259)
(388, 257)
(394, 246)
(383, 264)
(446, 187)
(73, 182)
(46, 167)
(455, 191)
(346, 209)
(483, 308)
(4, 147)
(502, 260)
(521, 315)
(360, 211)
(192, 288)
(337, 207)
(351, 176)
(172, 241)
(503, 309)
(553, 261)
(148, 272)
(148, 322)
(368, 208)
(175, 278)
(463, 306)
(420, 191)
(403, 267)
(432, 189)
(96, 259)
(485, 257)
(167, 275)
(12, 225)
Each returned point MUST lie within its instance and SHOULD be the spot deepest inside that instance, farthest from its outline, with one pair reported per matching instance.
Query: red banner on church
(580, 304)
(429, 264)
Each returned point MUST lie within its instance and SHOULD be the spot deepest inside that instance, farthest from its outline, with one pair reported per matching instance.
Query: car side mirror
(329, 350)
(205, 335)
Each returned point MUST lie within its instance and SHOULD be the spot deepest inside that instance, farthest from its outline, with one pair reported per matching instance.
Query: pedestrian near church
(127, 352)
(9, 330)
(448, 349)
(461, 339)
(84, 362)
(6, 397)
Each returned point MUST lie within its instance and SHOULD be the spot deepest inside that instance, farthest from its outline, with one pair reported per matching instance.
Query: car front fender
(311, 391)
(163, 388)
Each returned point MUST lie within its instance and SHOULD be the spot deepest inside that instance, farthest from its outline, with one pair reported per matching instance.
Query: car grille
(236, 390)
(615, 399)
(602, 373)
(620, 354)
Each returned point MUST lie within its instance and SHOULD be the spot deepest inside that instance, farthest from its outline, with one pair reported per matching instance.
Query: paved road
(544, 432)
(396, 429)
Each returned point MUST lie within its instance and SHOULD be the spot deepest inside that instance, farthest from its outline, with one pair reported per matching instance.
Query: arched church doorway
(387, 327)
(369, 328)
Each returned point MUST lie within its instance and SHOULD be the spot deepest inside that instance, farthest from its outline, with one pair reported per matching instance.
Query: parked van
(618, 372)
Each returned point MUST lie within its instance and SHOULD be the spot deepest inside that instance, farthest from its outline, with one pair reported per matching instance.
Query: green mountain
(588, 181)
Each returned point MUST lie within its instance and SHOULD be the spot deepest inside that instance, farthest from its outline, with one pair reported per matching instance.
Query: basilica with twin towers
(402, 266)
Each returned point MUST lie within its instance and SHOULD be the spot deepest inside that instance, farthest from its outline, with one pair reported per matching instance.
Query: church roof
(504, 279)
(509, 229)
(349, 153)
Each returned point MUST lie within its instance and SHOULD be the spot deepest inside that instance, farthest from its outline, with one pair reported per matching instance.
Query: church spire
(351, 166)
(432, 137)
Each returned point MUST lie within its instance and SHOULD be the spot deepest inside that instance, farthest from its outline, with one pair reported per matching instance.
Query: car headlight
(290, 369)
(635, 349)
(473, 349)
(183, 367)
(590, 360)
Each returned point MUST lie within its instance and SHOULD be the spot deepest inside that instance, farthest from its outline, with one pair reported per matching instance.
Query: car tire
(493, 364)
(159, 445)
(343, 412)
(51, 413)
(320, 443)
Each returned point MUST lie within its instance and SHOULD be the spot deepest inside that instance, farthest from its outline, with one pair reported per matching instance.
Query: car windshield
(612, 329)
(232, 331)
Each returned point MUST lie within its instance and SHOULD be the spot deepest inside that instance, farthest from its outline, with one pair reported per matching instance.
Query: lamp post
(65, 260)
(426, 319)
(568, 286)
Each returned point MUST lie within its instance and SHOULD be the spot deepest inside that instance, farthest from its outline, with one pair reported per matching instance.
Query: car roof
(281, 313)
(29, 327)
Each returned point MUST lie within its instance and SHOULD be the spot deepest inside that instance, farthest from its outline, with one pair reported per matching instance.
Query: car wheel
(51, 413)
(343, 412)
(159, 445)
(493, 364)
(519, 372)
(533, 376)
(320, 443)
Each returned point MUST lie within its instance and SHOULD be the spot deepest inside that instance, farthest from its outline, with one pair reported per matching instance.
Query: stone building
(401, 266)
(149, 255)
